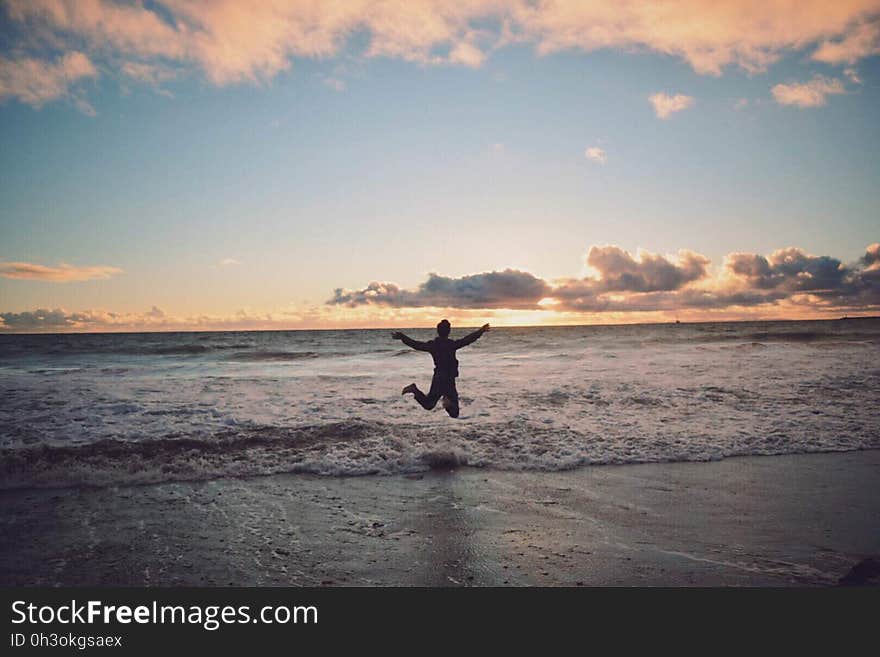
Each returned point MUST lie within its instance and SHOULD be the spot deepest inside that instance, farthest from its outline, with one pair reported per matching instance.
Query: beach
(791, 520)
(707, 454)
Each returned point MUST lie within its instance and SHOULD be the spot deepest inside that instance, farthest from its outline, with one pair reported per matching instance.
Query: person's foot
(410, 388)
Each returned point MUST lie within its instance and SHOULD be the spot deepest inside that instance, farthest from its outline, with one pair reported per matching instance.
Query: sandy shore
(782, 520)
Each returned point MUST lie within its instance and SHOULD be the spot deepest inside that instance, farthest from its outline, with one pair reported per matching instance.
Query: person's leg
(450, 401)
(427, 401)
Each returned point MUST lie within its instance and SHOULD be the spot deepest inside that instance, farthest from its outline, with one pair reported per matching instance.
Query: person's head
(443, 328)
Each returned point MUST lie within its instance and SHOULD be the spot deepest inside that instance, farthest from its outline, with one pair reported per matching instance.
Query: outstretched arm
(473, 337)
(409, 342)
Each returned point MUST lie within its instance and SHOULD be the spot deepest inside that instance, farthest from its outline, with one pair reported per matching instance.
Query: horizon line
(462, 326)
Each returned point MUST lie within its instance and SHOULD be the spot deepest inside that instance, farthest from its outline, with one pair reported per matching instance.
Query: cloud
(510, 289)
(61, 274)
(825, 280)
(859, 42)
(585, 300)
(649, 272)
(229, 262)
(467, 54)
(791, 269)
(36, 82)
(596, 154)
(59, 320)
(852, 75)
(83, 106)
(666, 105)
(650, 282)
(808, 94)
(151, 74)
(787, 283)
(620, 275)
(104, 26)
(707, 35)
(235, 41)
(871, 259)
(44, 320)
(747, 280)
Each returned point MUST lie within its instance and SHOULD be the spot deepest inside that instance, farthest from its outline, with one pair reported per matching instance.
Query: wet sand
(779, 521)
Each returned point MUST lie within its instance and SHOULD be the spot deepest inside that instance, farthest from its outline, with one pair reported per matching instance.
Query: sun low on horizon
(233, 165)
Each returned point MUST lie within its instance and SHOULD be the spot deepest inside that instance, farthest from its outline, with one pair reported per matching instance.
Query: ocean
(115, 409)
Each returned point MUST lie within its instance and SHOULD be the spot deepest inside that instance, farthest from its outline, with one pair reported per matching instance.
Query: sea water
(106, 409)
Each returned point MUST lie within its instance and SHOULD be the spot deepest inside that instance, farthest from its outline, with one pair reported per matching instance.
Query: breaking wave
(357, 448)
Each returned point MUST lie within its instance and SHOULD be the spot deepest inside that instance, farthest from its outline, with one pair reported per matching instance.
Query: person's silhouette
(442, 350)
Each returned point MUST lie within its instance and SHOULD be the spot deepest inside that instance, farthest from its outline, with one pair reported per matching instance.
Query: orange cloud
(860, 42)
(61, 274)
(130, 29)
(808, 94)
(708, 35)
(237, 40)
(253, 40)
(666, 105)
(36, 82)
(148, 73)
(597, 154)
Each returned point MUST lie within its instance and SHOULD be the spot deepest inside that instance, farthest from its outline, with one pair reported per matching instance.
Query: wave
(357, 448)
(269, 355)
(793, 336)
(245, 356)
(173, 350)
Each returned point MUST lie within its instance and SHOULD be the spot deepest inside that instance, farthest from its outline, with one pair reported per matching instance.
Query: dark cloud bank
(623, 283)
(649, 282)
(497, 289)
(58, 319)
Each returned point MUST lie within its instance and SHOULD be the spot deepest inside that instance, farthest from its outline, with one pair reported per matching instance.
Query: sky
(188, 165)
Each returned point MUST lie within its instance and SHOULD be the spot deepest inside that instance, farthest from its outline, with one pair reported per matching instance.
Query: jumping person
(442, 350)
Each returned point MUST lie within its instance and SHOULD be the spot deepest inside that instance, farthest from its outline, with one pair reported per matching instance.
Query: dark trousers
(440, 387)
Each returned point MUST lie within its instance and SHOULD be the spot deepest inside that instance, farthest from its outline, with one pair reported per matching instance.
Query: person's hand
(397, 335)
(484, 328)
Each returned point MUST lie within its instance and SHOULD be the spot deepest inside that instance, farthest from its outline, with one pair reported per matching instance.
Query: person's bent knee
(429, 402)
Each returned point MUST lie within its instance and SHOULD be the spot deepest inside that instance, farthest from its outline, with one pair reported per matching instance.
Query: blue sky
(256, 198)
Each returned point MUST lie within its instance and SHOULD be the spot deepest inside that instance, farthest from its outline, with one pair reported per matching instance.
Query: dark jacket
(443, 350)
